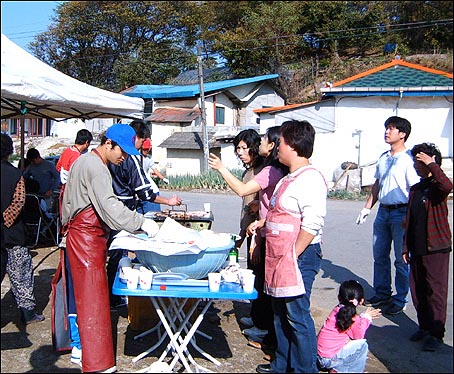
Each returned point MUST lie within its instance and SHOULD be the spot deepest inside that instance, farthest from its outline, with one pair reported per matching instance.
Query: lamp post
(358, 146)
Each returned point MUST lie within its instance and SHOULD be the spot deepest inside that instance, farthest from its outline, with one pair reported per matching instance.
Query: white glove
(150, 227)
(362, 216)
(165, 180)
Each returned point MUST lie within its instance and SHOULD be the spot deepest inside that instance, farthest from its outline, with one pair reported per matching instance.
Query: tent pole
(23, 110)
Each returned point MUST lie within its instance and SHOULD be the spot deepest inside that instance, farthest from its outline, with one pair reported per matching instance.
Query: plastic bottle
(233, 256)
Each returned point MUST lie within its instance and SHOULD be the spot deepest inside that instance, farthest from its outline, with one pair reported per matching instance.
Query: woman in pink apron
(293, 253)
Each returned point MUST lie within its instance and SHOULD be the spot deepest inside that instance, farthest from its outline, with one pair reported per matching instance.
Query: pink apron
(86, 248)
(282, 275)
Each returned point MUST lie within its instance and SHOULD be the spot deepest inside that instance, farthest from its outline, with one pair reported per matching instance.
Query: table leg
(176, 321)
(173, 344)
(149, 331)
(190, 334)
(178, 313)
(190, 338)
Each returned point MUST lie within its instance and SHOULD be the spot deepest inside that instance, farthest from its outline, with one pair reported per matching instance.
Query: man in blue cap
(89, 210)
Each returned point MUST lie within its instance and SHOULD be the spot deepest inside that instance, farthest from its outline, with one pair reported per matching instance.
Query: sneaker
(246, 321)
(62, 243)
(393, 309)
(76, 356)
(432, 344)
(255, 331)
(419, 335)
(264, 368)
(35, 319)
(376, 301)
(113, 369)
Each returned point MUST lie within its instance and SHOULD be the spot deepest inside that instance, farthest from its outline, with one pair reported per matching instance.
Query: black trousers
(429, 278)
(111, 269)
(261, 310)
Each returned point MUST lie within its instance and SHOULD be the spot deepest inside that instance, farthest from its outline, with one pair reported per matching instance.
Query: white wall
(265, 97)
(67, 129)
(431, 119)
(184, 161)
(220, 100)
(337, 139)
(159, 133)
(320, 115)
(229, 158)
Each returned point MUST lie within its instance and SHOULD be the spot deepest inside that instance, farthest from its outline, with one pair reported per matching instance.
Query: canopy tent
(33, 89)
(28, 83)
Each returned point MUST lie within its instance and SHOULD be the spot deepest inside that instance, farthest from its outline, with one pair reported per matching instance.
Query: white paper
(172, 238)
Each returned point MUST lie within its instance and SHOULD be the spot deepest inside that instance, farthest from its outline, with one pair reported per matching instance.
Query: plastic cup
(207, 207)
(214, 281)
(244, 273)
(145, 279)
(248, 283)
(132, 278)
(125, 265)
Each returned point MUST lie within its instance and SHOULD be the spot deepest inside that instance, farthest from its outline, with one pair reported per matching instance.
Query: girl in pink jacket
(341, 346)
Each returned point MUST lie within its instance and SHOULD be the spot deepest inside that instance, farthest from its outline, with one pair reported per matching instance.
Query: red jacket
(438, 230)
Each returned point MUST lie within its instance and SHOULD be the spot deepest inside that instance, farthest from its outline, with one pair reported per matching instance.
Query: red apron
(282, 275)
(87, 252)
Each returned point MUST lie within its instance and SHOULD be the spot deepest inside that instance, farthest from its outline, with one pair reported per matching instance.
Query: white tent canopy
(47, 93)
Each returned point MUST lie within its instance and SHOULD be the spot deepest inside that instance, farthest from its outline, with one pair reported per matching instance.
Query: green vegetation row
(211, 180)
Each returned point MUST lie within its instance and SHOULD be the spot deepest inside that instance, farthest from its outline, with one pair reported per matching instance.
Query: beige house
(176, 123)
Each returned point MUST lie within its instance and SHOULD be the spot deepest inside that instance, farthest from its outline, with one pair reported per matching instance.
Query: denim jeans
(388, 227)
(295, 329)
(350, 359)
(147, 206)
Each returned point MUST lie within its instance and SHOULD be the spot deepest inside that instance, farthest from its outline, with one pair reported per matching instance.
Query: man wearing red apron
(293, 254)
(89, 210)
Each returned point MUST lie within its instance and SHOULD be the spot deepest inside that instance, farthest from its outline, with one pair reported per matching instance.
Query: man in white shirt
(394, 175)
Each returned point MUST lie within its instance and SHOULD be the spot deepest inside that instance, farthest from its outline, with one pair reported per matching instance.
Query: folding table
(175, 320)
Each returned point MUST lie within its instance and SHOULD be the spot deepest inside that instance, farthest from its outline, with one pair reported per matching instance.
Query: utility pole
(206, 150)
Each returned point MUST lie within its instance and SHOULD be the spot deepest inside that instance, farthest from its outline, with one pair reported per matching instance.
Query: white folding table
(176, 321)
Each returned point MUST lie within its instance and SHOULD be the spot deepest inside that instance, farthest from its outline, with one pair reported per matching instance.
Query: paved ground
(347, 255)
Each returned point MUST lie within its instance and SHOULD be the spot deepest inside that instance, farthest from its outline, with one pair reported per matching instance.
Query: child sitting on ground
(341, 347)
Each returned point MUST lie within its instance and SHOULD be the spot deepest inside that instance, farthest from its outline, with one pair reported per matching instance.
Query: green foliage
(116, 44)
(209, 180)
(212, 180)
(113, 44)
(14, 157)
(347, 195)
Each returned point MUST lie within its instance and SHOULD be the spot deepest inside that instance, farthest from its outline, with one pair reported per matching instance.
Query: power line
(318, 33)
(316, 39)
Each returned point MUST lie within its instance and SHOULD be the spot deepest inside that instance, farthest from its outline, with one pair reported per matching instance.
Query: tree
(117, 44)
(111, 44)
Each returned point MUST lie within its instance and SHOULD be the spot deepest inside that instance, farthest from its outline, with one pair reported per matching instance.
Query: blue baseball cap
(124, 136)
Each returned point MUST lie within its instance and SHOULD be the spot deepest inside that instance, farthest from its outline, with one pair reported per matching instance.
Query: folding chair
(37, 224)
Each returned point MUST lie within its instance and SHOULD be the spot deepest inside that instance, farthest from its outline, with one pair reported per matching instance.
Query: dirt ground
(28, 349)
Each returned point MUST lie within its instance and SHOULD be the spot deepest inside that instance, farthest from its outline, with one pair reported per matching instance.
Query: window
(220, 115)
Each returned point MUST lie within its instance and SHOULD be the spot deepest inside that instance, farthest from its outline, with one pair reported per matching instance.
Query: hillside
(303, 84)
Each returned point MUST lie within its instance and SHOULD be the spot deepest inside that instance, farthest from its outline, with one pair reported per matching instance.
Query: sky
(22, 20)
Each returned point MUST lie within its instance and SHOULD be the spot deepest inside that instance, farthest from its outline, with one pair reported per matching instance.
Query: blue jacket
(130, 182)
